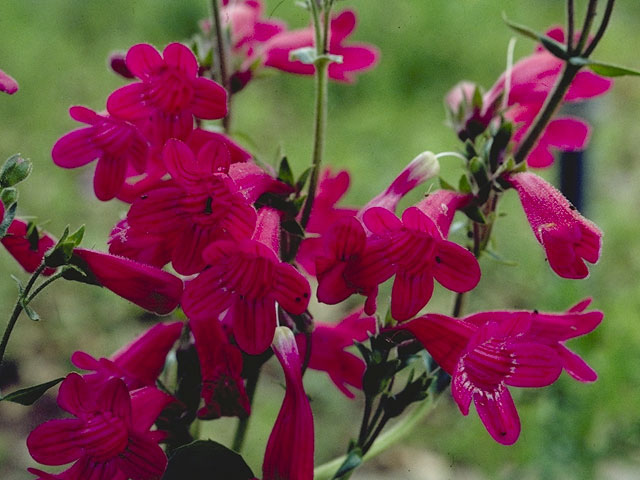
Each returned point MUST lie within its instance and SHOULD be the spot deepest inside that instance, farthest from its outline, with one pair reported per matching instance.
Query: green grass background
(57, 51)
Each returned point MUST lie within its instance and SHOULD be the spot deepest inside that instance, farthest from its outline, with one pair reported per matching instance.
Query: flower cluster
(248, 261)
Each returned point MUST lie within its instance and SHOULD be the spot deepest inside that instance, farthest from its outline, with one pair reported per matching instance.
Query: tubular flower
(109, 439)
(331, 188)
(553, 330)
(245, 280)
(441, 206)
(116, 144)
(221, 367)
(567, 237)
(169, 94)
(18, 244)
(352, 260)
(484, 360)
(355, 57)
(137, 364)
(200, 204)
(328, 344)
(418, 253)
(531, 80)
(146, 286)
(289, 453)
(8, 83)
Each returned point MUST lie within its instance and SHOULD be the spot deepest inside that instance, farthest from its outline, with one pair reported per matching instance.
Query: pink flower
(8, 83)
(553, 330)
(532, 78)
(352, 261)
(170, 92)
(289, 453)
(331, 188)
(200, 137)
(109, 439)
(418, 253)
(201, 204)
(220, 367)
(484, 360)
(18, 245)
(115, 143)
(568, 238)
(137, 364)
(146, 286)
(328, 344)
(245, 280)
(355, 57)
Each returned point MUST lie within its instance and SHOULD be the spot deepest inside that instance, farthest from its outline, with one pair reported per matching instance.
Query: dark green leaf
(353, 461)
(284, 172)
(293, 227)
(553, 46)
(31, 313)
(302, 179)
(474, 213)
(76, 237)
(28, 396)
(206, 460)
(14, 170)
(446, 185)
(463, 184)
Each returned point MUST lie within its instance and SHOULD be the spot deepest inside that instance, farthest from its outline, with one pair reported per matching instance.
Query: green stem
(603, 27)
(384, 441)
(570, 26)
(243, 423)
(42, 286)
(320, 127)
(586, 26)
(221, 56)
(17, 310)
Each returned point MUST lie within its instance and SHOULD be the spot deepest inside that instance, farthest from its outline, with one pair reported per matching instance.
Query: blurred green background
(57, 51)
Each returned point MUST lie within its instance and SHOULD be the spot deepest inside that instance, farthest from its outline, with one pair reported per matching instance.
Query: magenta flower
(115, 143)
(109, 439)
(568, 238)
(328, 344)
(146, 286)
(8, 83)
(200, 137)
(247, 27)
(137, 364)
(553, 330)
(484, 360)
(221, 368)
(245, 280)
(351, 260)
(331, 188)
(418, 253)
(355, 57)
(289, 453)
(532, 78)
(170, 92)
(201, 204)
(20, 248)
(440, 206)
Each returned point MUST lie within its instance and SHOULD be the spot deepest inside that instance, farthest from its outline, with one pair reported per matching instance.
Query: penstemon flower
(568, 238)
(8, 83)
(243, 283)
(109, 439)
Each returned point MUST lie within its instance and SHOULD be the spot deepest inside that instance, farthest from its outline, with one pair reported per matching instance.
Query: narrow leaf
(608, 70)
(353, 461)
(207, 460)
(9, 215)
(28, 396)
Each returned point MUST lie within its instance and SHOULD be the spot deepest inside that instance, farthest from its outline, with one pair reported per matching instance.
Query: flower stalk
(221, 55)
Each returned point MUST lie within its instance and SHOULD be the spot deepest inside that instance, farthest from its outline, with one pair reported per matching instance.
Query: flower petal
(410, 293)
(109, 177)
(56, 442)
(254, 323)
(292, 290)
(143, 459)
(143, 60)
(178, 56)
(455, 267)
(498, 414)
(75, 149)
(210, 101)
(128, 103)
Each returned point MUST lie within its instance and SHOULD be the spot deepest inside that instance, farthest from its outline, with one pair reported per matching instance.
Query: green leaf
(302, 179)
(476, 101)
(463, 184)
(284, 172)
(475, 214)
(353, 461)
(19, 284)
(28, 396)
(33, 236)
(553, 46)
(62, 252)
(31, 313)
(609, 70)
(293, 227)
(206, 460)
(9, 215)
(444, 185)
(14, 170)
(76, 237)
